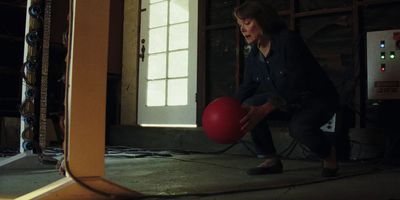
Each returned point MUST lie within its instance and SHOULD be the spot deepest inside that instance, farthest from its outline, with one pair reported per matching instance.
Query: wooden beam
(284, 13)
(220, 26)
(11, 37)
(324, 11)
(293, 7)
(377, 2)
(18, 4)
(201, 61)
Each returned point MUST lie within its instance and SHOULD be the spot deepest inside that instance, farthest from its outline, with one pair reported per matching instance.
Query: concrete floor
(223, 176)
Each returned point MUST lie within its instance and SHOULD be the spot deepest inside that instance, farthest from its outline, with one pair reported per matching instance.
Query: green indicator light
(383, 55)
(392, 56)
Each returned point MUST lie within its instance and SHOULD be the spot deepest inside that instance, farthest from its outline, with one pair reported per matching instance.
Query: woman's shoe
(330, 161)
(276, 168)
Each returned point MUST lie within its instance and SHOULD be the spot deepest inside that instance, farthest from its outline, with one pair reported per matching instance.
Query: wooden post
(86, 109)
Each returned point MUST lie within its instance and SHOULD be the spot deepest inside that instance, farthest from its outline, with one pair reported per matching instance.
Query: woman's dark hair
(265, 15)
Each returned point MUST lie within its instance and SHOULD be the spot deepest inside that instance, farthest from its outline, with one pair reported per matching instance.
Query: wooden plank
(324, 11)
(292, 16)
(201, 61)
(220, 26)
(284, 13)
(86, 82)
(44, 76)
(11, 37)
(18, 4)
(377, 2)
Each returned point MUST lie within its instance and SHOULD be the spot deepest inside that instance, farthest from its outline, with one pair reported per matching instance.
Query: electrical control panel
(383, 64)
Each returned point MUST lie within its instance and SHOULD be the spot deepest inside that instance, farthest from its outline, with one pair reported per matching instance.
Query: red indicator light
(383, 67)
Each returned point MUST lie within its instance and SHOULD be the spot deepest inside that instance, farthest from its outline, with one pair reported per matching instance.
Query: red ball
(221, 120)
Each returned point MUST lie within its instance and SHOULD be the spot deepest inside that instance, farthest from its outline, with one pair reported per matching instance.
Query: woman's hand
(254, 115)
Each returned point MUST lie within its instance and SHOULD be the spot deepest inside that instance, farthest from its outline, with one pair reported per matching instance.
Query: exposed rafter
(13, 3)
(8, 37)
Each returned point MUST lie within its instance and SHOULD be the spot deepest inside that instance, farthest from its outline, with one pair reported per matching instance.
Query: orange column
(87, 87)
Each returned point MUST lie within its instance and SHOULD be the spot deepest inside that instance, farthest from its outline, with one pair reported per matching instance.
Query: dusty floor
(223, 176)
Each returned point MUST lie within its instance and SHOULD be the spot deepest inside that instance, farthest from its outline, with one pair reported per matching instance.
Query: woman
(282, 75)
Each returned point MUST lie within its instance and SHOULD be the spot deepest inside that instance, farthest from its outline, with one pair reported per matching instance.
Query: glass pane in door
(157, 40)
(179, 36)
(177, 92)
(158, 14)
(178, 64)
(179, 11)
(157, 66)
(156, 93)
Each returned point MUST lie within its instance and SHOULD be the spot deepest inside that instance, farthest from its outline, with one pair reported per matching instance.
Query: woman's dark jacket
(290, 74)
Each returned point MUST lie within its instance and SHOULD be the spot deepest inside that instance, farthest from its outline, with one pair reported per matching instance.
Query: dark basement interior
(154, 151)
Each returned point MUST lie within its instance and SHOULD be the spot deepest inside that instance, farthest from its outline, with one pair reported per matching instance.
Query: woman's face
(250, 29)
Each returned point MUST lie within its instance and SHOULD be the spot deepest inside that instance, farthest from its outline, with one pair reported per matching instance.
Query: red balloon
(221, 120)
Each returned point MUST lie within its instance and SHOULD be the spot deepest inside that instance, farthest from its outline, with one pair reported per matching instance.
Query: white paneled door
(168, 63)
